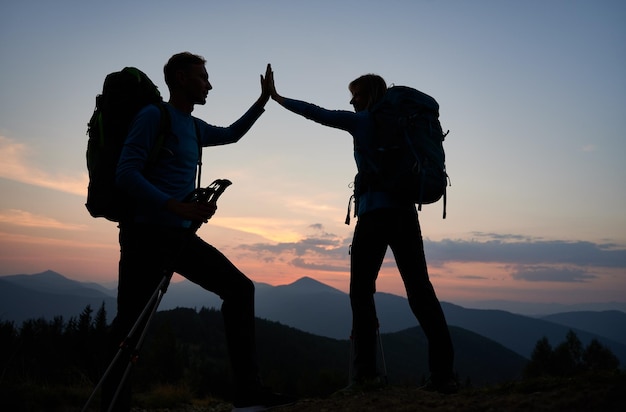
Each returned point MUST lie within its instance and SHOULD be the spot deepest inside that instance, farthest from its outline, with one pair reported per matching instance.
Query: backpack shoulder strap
(165, 126)
(199, 174)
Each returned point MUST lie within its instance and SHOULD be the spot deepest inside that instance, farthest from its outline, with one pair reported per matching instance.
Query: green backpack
(124, 93)
(407, 157)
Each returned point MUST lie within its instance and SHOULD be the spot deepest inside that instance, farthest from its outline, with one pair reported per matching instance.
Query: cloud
(16, 166)
(552, 274)
(518, 257)
(301, 263)
(502, 236)
(473, 277)
(330, 248)
(517, 251)
(26, 219)
(320, 251)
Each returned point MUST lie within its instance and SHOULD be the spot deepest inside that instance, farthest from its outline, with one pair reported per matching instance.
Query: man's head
(186, 78)
(366, 90)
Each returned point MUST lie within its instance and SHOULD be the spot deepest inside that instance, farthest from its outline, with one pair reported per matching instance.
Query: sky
(533, 94)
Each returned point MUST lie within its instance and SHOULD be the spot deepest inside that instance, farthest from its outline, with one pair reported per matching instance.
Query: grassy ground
(584, 394)
(604, 393)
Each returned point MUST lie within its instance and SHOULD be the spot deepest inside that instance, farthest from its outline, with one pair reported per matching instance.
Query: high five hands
(265, 87)
(268, 88)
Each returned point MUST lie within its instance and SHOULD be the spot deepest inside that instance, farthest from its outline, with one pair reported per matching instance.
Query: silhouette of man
(158, 239)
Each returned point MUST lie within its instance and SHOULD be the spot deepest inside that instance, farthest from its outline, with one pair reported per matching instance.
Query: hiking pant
(400, 230)
(147, 251)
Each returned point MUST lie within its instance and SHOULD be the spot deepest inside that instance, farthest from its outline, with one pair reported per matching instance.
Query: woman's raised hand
(272, 87)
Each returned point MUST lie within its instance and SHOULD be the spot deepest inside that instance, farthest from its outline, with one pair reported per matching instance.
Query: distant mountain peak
(45, 274)
(51, 282)
(306, 280)
(308, 285)
(49, 273)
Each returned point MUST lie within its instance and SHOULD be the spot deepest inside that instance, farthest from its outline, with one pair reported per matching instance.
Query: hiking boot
(361, 386)
(444, 386)
(261, 400)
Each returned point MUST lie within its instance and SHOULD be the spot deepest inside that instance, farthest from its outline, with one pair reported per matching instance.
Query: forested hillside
(57, 363)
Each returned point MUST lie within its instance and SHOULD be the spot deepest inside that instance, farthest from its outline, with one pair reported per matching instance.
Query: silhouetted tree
(598, 357)
(84, 321)
(100, 322)
(8, 347)
(541, 361)
(569, 358)
(40, 349)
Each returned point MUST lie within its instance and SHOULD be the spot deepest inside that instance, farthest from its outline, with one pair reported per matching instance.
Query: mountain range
(316, 308)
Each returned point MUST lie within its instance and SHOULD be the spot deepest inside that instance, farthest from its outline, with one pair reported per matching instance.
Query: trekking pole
(134, 355)
(351, 360)
(208, 195)
(124, 345)
(382, 354)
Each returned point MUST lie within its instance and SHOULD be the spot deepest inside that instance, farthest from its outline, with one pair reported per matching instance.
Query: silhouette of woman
(384, 219)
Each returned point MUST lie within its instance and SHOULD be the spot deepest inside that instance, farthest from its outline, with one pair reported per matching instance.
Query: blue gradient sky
(533, 93)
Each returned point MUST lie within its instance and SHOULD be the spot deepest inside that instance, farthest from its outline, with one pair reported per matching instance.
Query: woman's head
(366, 90)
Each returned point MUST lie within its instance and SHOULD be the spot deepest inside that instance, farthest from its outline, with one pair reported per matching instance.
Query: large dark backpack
(407, 156)
(124, 93)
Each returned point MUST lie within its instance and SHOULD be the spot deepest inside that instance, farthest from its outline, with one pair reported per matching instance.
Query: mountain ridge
(305, 304)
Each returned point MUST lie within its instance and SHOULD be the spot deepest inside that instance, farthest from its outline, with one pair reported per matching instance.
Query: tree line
(183, 348)
(570, 358)
(187, 348)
